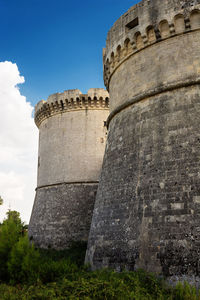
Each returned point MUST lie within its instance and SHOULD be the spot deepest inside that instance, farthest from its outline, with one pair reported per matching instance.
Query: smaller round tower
(72, 137)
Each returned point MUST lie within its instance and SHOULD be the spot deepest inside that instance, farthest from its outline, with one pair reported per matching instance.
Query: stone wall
(71, 147)
(62, 214)
(147, 209)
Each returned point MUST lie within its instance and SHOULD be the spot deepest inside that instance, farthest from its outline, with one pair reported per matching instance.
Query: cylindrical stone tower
(72, 136)
(147, 210)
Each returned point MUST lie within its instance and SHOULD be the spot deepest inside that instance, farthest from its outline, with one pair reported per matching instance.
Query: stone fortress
(72, 139)
(147, 208)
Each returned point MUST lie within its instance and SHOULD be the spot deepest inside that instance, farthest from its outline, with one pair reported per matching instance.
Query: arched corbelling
(119, 52)
(89, 101)
(107, 101)
(101, 101)
(66, 103)
(138, 40)
(83, 101)
(126, 42)
(62, 104)
(127, 46)
(70, 102)
(164, 29)
(195, 19)
(107, 64)
(107, 67)
(78, 100)
(112, 59)
(179, 23)
(151, 36)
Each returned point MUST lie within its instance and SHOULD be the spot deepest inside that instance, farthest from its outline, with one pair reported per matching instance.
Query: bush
(50, 274)
(185, 292)
(75, 253)
(10, 232)
(101, 285)
(24, 262)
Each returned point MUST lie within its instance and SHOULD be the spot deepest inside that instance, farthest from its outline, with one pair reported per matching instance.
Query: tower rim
(71, 101)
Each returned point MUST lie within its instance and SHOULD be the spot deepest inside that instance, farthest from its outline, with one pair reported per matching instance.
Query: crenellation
(39, 104)
(145, 34)
(56, 103)
(98, 92)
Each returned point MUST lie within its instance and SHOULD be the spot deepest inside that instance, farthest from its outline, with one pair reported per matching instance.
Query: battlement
(147, 23)
(71, 100)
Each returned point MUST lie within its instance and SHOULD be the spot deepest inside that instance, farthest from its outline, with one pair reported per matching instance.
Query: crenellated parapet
(147, 23)
(71, 100)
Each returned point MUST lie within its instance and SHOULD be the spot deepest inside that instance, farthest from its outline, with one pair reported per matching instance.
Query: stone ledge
(67, 183)
(151, 93)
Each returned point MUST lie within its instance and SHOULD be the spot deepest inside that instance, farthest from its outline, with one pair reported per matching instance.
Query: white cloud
(18, 145)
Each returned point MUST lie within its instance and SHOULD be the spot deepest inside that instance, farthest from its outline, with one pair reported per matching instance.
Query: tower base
(148, 203)
(62, 214)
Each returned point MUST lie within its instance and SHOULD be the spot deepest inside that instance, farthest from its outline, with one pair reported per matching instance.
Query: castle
(147, 207)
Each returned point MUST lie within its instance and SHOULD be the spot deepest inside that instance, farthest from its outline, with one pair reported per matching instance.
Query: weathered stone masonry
(147, 210)
(72, 139)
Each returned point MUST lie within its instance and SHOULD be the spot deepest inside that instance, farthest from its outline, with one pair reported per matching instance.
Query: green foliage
(107, 284)
(10, 232)
(185, 292)
(15, 216)
(30, 273)
(51, 270)
(101, 285)
(1, 200)
(75, 253)
(24, 262)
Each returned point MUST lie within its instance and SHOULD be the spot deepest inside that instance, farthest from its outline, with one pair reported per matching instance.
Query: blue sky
(57, 44)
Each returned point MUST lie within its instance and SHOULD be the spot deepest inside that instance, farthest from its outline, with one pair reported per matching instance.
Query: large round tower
(71, 146)
(147, 211)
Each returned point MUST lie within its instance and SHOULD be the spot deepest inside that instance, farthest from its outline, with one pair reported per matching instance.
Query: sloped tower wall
(72, 139)
(147, 211)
